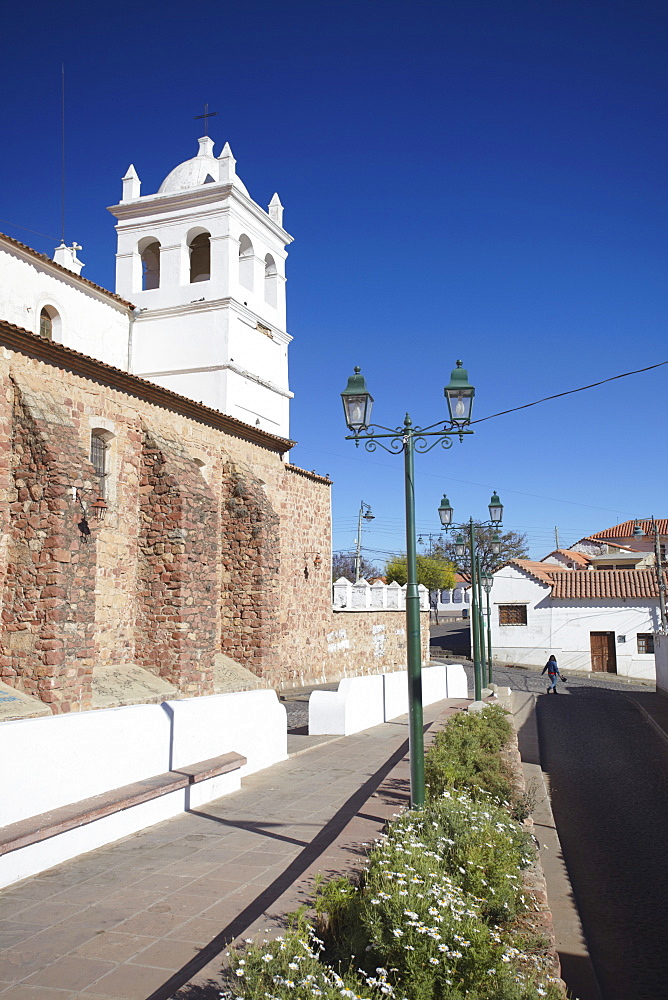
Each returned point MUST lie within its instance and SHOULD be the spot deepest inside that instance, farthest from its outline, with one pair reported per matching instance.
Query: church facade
(150, 513)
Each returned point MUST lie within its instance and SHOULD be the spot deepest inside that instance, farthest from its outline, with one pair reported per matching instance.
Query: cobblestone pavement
(522, 679)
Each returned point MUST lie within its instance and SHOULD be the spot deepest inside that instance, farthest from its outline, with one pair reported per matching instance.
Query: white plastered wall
(90, 322)
(563, 627)
(216, 341)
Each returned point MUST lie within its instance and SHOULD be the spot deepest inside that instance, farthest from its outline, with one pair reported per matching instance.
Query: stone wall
(211, 541)
(47, 643)
(177, 616)
(250, 594)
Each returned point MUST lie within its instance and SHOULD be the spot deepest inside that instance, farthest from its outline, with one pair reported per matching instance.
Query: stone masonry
(177, 613)
(211, 541)
(48, 604)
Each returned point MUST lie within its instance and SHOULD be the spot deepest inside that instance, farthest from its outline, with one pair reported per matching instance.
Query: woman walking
(552, 673)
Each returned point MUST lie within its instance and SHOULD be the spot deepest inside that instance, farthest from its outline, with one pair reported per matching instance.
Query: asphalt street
(608, 773)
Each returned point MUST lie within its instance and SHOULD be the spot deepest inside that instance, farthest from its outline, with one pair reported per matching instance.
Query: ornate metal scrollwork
(393, 439)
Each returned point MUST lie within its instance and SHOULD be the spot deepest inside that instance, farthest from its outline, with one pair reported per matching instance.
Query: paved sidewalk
(149, 917)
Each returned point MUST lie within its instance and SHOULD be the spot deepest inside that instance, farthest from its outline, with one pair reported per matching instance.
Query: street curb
(540, 921)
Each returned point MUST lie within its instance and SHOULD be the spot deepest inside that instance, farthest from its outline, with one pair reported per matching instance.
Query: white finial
(227, 165)
(131, 184)
(67, 257)
(276, 209)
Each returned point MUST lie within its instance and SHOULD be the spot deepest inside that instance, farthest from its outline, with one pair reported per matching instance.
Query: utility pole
(365, 512)
(660, 577)
(658, 566)
(556, 537)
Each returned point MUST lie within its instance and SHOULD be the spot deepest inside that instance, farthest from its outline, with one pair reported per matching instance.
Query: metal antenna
(62, 161)
(207, 114)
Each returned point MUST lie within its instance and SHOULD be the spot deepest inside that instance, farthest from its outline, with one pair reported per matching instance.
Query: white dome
(201, 169)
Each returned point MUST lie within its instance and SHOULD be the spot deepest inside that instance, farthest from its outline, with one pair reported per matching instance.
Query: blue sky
(467, 179)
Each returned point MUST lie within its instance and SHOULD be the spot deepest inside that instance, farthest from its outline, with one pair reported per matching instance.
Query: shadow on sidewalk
(306, 857)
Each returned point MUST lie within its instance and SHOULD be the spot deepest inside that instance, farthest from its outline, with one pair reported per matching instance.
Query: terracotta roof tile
(610, 583)
(309, 475)
(625, 530)
(18, 339)
(63, 270)
(577, 557)
(541, 571)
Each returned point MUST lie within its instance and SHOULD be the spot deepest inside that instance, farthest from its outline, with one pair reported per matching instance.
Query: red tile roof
(625, 530)
(610, 583)
(568, 584)
(577, 557)
(64, 270)
(540, 570)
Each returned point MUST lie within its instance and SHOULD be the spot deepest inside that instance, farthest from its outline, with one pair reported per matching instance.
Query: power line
(569, 392)
(25, 229)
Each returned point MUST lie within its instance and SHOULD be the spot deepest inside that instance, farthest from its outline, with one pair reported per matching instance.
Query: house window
(98, 458)
(45, 325)
(49, 324)
(512, 614)
(645, 642)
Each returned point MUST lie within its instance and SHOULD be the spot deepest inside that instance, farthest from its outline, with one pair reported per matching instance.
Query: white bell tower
(205, 266)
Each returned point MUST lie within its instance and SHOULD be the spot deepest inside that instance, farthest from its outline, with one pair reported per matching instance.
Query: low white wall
(59, 760)
(379, 596)
(363, 702)
(661, 660)
(356, 705)
(253, 723)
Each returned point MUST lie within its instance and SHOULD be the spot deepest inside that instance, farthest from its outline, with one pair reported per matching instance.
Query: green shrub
(289, 966)
(465, 755)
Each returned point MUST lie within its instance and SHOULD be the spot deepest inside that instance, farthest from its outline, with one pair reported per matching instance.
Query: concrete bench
(50, 824)
(81, 780)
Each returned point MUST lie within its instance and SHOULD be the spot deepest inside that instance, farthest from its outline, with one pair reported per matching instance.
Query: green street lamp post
(357, 404)
(480, 579)
(487, 583)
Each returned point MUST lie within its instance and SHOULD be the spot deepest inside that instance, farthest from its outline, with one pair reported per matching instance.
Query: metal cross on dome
(207, 114)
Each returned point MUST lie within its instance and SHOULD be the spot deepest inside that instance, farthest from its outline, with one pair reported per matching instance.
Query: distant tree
(433, 572)
(513, 546)
(343, 565)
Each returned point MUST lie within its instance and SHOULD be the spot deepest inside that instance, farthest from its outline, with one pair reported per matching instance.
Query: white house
(455, 603)
(591, 619)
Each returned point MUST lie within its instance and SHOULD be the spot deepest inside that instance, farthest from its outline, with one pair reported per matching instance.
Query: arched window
(49, 324)
(246, 261)
(200, 257)
(99, 457)
(150, 265)
(45, 325)
(270, 280)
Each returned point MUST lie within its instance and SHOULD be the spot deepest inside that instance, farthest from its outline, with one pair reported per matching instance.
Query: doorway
(603, 653)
